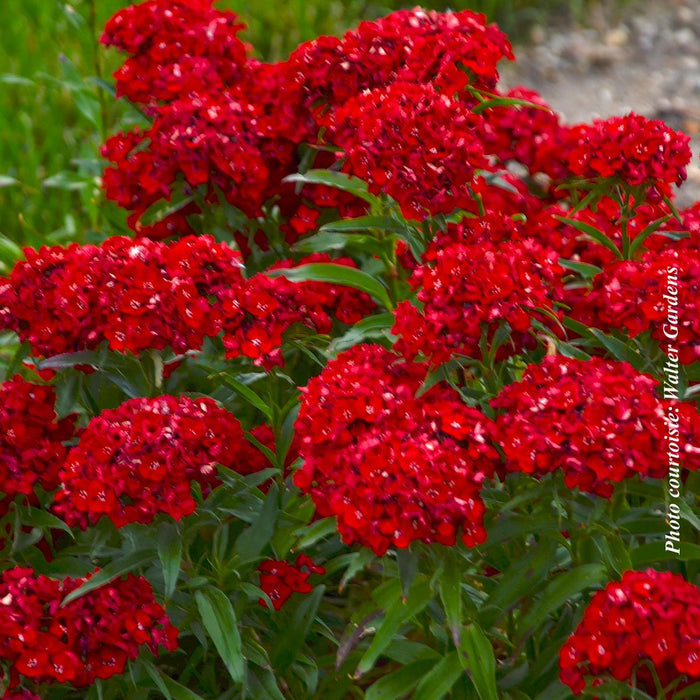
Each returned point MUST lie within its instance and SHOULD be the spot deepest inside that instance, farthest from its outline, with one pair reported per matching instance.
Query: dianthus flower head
(32, 439)
(450, 49)
(393, 467)
(648, 617)
(90, 638)
(140, 459)
(632, 148)
(279, 579)
(135, 294)
(472, 288)
(176, 47)
(658, 293)
(416, 144)
(212, 141)
(532, 136)
(598, 421)
(257, 316)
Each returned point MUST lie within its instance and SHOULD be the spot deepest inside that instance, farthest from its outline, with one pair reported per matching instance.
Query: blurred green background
(56, 106)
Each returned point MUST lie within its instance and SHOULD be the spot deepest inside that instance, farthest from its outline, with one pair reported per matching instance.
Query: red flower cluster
(89, 638)
(635, 149)
(470, 289)
(176, 47)
(227, 124)
(391, 466)
(229, 142)
(142, 294)
(636, 296)
(649, 616)
(413, 142)
(451, 50)
(32, 440)
(134, 294)
(532, 136)
(279, 579)
(258, 314)
(140, 459)
(598, 421)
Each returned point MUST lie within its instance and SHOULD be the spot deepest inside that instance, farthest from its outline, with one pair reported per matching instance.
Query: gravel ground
(647, 61)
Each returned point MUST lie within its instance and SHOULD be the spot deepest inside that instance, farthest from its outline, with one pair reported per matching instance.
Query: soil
(645, 59)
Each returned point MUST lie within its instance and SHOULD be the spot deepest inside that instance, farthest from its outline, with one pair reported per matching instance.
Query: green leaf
(595, 233)
(171, 689)
(400, 683)
(614, 690)
(656, 552)
(451, 595)
(569, 350)
(35, 517)
(290, 647)
(162, 210)
(618, 349)
(71, 359)
(562, 589)
(336, 274)
(366, 223)
(10, 252)
(88, 105)
(576, 326)
(339, 181)
(396, 614)
(318, 530)
(247, 393)
(67, 180)
(219, 620)
(252, 540)
(156, 677)
(408, 568)
(357, 562)
(507, 102)
(673, 235)
(478, 660)
(170, 554)
(584, 269)
(438, 682)
(110, 571)
(651, 228)
(377, 326)
(524, 576)
(688, 693)
(326, 241)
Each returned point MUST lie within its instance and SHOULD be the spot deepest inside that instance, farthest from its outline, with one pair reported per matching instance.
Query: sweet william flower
(140, 459)
(32, 438)
(256, 315)
(136, 295)
(636, 150)
(280, 579)
(175, 47)
(598, 421)
(391, 466)
(470, 287)
(648, 616)
(629, 295)
(450, 49)
(413, 142)
(89, 638)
